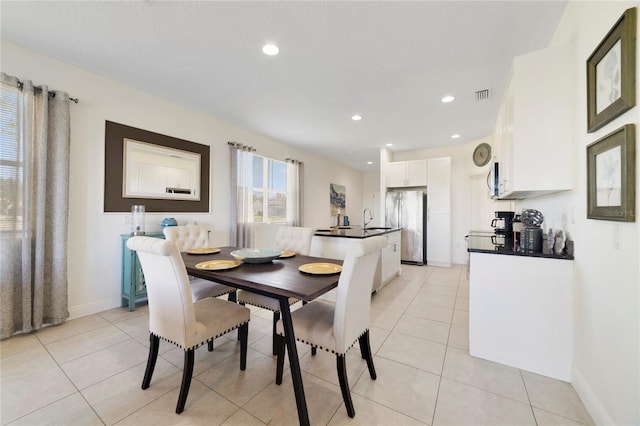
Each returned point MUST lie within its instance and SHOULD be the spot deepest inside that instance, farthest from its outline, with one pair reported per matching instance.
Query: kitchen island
(520, 307)
(333, 243)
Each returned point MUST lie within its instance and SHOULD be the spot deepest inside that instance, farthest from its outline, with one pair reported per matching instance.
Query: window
(11, 163)
(269, 192)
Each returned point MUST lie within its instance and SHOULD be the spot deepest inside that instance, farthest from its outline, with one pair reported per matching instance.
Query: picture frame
(611, 176)
(337, 199)
(611, 70)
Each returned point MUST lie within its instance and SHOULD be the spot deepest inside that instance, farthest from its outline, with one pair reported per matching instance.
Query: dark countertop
(482, 242)
(354, 232)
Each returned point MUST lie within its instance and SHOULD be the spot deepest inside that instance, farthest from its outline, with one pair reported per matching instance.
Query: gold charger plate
(288, 253)
(217, 265)
(204, 250)
(320, 268)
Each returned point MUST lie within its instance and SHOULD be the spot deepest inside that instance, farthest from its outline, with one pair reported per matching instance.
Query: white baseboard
(598, 413)
(93, 308)
(440, 264)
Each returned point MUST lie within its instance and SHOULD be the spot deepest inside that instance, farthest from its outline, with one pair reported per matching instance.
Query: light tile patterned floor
(88, 372)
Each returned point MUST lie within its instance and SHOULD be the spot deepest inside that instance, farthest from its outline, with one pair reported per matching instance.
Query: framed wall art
(337, 199)
(611, 176)
(611, 69)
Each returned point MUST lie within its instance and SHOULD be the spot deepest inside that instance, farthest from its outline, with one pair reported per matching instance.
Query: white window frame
(265, 190)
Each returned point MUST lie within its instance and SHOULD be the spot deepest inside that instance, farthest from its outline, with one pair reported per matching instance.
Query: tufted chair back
(353, 299)
(294, 238)
(171, 311)
(187, 237)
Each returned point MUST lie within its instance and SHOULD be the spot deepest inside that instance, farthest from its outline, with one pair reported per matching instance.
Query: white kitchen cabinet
(533, 137)
(521, 312)
(406, 173)
(439, 212)
(390, 260)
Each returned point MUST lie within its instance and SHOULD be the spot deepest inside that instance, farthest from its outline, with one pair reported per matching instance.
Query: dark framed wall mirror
(163, 173)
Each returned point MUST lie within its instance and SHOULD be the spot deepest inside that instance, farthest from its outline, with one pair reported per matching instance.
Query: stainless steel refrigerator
(408, 210)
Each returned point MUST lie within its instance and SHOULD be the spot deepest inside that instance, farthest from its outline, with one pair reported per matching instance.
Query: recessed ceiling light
(447, 99)
(270, 49)
(369, 162)
(356, 117)
(456, 136)
(388, 144)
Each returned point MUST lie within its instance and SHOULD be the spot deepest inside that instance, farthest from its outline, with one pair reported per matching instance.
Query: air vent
(481, 95)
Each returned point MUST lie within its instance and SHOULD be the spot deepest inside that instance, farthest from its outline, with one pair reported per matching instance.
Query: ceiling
(390, 62)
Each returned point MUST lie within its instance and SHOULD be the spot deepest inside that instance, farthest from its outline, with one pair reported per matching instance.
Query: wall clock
(482, 154)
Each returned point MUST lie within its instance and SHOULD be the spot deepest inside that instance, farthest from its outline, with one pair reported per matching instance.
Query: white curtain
(295, 192)
(241, 167)
(34, 171)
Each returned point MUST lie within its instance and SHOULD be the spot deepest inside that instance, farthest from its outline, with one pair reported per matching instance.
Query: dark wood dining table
(280, 279)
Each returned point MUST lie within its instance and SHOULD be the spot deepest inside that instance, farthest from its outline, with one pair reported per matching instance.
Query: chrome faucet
(364, 222)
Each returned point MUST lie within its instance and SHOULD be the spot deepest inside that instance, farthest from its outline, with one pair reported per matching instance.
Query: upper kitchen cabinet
(406, 173)
(532, 136)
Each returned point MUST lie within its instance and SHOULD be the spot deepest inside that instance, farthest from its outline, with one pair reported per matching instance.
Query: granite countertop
(487, 242)
(354, 231)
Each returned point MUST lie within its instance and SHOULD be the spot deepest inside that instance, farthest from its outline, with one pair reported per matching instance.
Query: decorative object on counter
(345, 220)
(482, 155)
(548, 239)
(531, 217)
(558, 245)
(168, 221)
(611, 176)
(137, 219)
(569, 248)
(545, 242)
(611, 70)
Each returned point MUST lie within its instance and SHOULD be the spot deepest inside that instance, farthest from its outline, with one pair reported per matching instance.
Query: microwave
(493, 180)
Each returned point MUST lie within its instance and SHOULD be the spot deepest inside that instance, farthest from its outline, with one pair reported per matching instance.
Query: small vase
(137, 220)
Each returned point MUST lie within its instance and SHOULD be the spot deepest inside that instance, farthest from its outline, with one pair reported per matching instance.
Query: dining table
(280, 279)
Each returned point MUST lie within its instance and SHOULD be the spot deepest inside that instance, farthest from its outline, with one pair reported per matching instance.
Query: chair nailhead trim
(263, 307)
(330, 350)
(201, 343)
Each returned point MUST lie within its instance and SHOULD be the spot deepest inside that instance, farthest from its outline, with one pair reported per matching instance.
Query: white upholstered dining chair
(191, 237)
(294, 238)
(175, 317)
(335, 327)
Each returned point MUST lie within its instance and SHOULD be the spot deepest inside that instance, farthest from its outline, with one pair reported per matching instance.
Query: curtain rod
(52, 93)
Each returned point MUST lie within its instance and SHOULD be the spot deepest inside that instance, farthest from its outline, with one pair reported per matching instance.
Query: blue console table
(133, 285)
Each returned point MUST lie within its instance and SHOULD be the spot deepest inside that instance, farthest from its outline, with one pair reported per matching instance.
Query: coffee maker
(503, 223)
(502, 226)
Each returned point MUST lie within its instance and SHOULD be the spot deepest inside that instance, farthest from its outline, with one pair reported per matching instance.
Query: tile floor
(88, 372)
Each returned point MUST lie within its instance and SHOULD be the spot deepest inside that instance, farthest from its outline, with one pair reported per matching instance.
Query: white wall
(371, 199)
(94, 237)
(606, 370)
